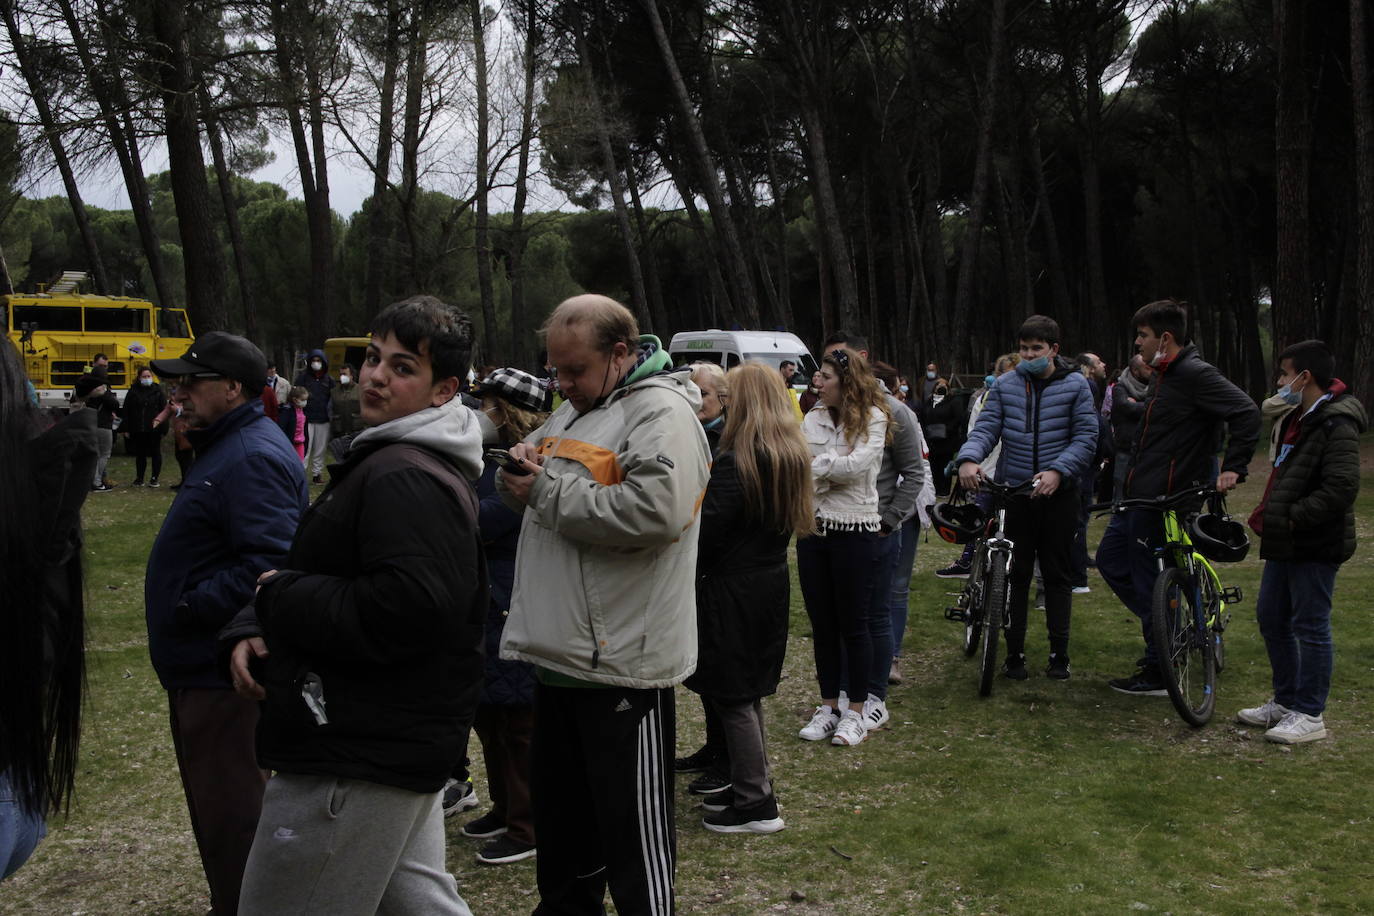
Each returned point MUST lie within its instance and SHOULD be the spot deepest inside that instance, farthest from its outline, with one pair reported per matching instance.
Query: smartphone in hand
(507, 461)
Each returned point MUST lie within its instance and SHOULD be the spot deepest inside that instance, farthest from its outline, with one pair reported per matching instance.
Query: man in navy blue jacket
(1043, 414)
(233, 519)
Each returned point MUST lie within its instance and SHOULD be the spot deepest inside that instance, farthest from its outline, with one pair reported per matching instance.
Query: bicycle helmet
(1218, 537)
(958, 523)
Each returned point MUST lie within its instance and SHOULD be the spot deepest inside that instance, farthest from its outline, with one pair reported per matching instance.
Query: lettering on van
(700, 344)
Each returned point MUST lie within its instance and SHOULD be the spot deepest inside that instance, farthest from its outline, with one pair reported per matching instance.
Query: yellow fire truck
(58, 330)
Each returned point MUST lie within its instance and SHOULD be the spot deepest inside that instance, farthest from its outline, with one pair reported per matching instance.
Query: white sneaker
(822, 725)
(851, 730)
(875, 713)
(1296, 728)
(1266, 716)
(1082, 590)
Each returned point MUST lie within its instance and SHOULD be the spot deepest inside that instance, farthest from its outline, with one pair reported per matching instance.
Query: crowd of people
(481, 560)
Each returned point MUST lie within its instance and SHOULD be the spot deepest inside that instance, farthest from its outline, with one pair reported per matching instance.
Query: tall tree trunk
(707, 244)
(658, 319)
(417, 56)
(110, 98)
(200, 246)
(482, 235)
(53, 133)
(379, 225)
(1059, 284)
(1361, 76)
(1294, 306)
(741, 285)
(978, 196)
(784, 281)
(519, 239)
(829, 221)
(231, 213)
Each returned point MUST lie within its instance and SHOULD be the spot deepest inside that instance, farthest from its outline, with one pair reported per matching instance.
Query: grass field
(1047, 797)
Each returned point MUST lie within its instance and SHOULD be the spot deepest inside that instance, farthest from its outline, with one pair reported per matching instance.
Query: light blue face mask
(988, 380)
(145, 381)
(716, 423)
(1033, 367)
(1290, 397)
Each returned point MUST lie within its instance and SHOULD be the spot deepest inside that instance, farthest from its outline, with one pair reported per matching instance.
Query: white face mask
(316, 365)
(345, 379)
(145, 381)
(301, 404)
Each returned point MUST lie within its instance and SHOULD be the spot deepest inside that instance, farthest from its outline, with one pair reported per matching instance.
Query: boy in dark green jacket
(1306, 523)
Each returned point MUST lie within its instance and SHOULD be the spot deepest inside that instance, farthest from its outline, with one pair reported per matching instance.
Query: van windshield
(687, 357)
(805, 363)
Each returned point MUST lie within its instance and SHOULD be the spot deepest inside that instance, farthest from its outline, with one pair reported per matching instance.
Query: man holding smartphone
(604, 606)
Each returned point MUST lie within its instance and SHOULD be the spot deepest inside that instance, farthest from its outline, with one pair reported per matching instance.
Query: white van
(730, 348)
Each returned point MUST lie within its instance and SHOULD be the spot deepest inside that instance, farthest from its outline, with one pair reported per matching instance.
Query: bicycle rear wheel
(995, 605)
(1184, 645)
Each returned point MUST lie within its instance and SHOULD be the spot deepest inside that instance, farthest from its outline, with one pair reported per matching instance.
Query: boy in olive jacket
(1306, 522)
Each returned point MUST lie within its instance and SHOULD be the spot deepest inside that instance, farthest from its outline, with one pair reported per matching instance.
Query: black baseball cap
(218, 353)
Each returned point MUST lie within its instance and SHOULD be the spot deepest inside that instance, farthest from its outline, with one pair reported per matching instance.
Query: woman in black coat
(758, 497)
(142, 404)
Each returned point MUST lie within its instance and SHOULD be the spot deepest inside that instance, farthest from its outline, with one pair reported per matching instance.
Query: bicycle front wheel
(1184, 645)
(994, 605)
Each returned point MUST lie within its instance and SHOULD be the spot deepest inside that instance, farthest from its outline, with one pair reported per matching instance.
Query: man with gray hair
(604, 605)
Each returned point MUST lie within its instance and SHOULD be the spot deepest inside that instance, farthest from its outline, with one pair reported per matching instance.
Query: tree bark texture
(200, 246)
(481, 231)
(1363, 104)
(1294, 308)
(379, 224)
(519, 238)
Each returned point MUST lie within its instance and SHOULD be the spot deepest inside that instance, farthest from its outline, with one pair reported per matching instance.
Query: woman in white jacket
(837, 568)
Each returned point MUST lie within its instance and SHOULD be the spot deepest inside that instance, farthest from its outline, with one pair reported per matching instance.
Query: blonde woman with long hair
(846, 432)
(759, 496)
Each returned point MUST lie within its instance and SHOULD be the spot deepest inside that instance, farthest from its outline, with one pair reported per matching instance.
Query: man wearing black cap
(232, 519)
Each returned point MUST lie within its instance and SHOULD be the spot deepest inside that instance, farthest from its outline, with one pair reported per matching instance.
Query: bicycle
(984, 602)
(1189, 607)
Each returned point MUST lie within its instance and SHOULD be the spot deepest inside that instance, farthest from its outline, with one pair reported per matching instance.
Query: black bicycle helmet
(957, 522)
(1218, 537)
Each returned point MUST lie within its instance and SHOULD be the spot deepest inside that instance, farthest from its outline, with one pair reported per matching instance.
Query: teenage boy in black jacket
(367, 648)
(1306, 522)
(1190, 405)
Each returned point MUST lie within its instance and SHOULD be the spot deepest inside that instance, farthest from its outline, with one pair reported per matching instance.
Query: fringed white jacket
(845, 474)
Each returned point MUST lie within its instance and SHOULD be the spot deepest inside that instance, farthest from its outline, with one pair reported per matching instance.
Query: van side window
(731, 360)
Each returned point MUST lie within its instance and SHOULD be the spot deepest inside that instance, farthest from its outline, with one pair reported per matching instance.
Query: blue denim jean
(879, 621)
(900, 602)
(837, 572)
(1294, 614)
(1126, 562)
(20, 830)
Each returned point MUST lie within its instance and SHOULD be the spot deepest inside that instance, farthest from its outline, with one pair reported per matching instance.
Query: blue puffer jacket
(232, 520)
(506, 683)
(1044, 425)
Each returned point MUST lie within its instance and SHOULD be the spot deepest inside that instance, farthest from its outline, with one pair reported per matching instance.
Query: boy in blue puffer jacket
(1042, 412)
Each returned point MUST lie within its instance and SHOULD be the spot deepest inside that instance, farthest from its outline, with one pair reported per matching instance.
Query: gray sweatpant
(343, 846)
(104, 443)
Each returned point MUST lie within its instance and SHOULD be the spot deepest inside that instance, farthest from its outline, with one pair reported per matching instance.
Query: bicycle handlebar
(1157, 503)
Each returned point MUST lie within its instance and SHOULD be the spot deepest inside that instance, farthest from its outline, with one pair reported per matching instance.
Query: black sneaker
(760, 818)
(137, 483)
(504, 850)
(1015, 667)
(1058, 668)
(697, 761)
(955, 570)
(484, 827)
(154, 483)
(1144, 683)
(317, 479)
(711, 782)
(459, 796)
